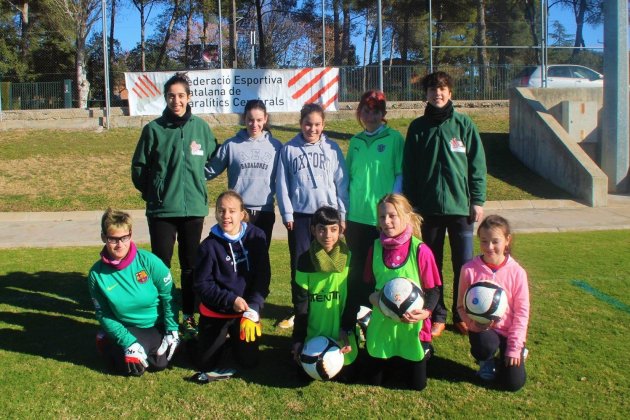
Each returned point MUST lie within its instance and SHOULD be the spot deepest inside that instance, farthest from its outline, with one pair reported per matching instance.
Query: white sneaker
(487, 370)
(287, 323)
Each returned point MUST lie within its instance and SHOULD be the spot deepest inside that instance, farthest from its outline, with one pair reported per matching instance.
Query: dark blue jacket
(226, 270)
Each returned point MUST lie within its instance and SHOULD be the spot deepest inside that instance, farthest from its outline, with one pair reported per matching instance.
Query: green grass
(576, 369)
(57, 170)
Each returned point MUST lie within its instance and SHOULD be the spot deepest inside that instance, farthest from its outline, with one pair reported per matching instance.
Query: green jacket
(168, 167)
(373, 162)
(444, 166)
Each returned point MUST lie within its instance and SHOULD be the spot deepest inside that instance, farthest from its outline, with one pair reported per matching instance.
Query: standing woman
(374, 163)
(251, 158)
(168, 168)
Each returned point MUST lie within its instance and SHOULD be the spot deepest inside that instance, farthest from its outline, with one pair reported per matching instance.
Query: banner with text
(227, 90)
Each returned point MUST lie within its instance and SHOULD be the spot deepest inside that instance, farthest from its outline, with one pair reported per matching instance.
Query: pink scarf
(120, 264)
(395, 250)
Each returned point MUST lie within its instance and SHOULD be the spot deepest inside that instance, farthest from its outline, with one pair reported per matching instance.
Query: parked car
(559, 75)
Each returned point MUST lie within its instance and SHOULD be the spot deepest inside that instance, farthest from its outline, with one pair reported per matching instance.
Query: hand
(240, 305)
(345, 341)
(289, 225)
(512, 361)
(296, 350)
(169, 343)
(476, 213)
(417, 315)
(250, 326)
(136, 359)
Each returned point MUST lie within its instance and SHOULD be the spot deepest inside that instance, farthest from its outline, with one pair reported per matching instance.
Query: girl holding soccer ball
(400, 253)
(508, 334)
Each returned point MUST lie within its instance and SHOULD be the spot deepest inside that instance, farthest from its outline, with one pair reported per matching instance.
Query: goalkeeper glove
(136, 359)
(169, 344)
(250, 326)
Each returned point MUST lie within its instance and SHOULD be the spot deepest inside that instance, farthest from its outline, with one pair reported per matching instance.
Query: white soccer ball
(485, 302)
(321, 358)
(398, 296)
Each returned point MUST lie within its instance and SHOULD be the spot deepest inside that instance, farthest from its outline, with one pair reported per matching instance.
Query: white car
(559, 76)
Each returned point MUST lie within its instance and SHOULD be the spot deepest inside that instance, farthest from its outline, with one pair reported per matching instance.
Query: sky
(127, 29)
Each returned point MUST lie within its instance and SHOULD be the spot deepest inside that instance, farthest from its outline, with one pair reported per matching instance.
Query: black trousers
(264, 220)
(213, 339)
(484, 345)
(187, 231)
(114, 356)
(460, 237)
(417, 371)
(300, 239)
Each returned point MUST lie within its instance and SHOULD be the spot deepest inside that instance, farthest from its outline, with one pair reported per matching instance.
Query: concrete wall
(81, 119)
(540, 142)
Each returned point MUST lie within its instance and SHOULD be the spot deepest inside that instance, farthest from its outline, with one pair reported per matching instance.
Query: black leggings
(484, 345)
(187, 230)
(114, 356)
(264, 220)
(417, 371)
(213, 337)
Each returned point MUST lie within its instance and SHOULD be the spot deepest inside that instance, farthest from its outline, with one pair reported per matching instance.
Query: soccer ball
(399, 296)
(321, 358)
(485, 302)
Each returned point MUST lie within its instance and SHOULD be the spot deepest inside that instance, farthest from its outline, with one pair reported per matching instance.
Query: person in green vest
(132, 294)
(400, 253)
(321, 277)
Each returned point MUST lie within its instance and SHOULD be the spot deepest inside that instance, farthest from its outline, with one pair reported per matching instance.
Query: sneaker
(287, 323)
(437, 328)
(487, 370)
(189, 328)
(215, 375)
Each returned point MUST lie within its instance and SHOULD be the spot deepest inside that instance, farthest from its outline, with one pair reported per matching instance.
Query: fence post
(67, 93)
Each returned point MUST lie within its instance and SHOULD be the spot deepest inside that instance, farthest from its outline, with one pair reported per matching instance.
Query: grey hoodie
(311, 176)
(251, 164)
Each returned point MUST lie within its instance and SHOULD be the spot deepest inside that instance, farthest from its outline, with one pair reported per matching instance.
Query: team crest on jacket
(457, 146)
(381, 148)
(142, 277)
(195, 149)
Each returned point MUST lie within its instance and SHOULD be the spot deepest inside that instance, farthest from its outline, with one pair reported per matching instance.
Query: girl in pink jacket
(508, 334)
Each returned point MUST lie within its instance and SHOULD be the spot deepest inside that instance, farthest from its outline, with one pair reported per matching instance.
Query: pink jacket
(513, 279)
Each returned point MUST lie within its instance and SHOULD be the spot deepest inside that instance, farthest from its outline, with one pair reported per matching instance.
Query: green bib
(386, 337)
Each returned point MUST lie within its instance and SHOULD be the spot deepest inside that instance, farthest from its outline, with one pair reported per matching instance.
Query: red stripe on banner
(326, 104)
(141, 90)
(298, 76)
(133, 89)
(311, 83)
(320, 92)
(155, 88)
(147, 87)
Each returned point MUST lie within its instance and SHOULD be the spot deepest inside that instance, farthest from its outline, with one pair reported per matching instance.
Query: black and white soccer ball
(321, 358)
(398, 296)
(485, 301)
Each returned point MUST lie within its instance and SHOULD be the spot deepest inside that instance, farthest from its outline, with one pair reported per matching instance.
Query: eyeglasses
(113, 240)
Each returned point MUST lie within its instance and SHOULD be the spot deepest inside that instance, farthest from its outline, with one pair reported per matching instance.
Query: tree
(144, 7)
(167, 33)
(75, 19)
(584, 11)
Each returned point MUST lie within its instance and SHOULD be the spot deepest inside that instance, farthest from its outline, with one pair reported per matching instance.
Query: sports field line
(601, 296)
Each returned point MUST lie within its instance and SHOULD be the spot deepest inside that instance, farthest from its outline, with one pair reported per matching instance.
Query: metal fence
(36, 95)
(401, 83)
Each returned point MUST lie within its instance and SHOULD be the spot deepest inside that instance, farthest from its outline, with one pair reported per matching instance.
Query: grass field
(577, 368)
(56, 170)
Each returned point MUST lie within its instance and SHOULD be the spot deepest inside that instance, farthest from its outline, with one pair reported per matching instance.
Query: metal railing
(36, 95)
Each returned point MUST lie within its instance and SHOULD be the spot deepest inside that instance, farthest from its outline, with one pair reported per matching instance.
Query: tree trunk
(482, 53)
(25, 42)
(233, 36)
(348, 57)
(336, 34)
(112, 20)
(167, 36)
(189, 23)
(142, 43)
(262, 50)
(530, 15)
(438, 33)
(83, 84)
(579, 27)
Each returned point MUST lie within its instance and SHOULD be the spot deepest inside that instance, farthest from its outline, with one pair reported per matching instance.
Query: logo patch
(457, 146)
(168, 279)
(142, 277)
(195, 149)
(381, 148)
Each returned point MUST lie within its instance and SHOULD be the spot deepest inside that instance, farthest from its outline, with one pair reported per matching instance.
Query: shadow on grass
(503, 165)
(42, 312)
